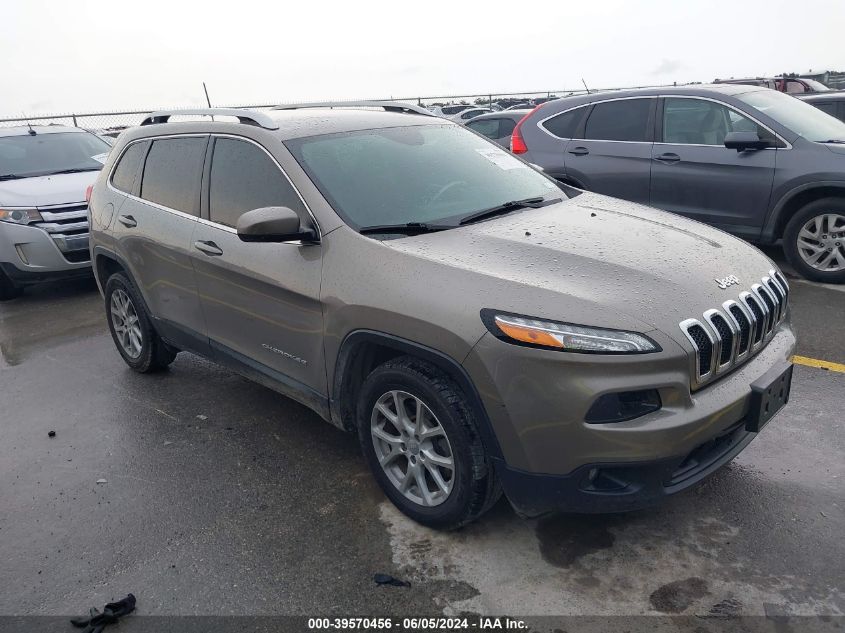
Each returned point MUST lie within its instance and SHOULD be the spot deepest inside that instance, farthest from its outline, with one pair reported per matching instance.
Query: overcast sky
(93, 55)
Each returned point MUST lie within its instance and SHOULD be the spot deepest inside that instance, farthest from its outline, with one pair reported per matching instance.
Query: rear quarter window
(565, 124)
(128, 167)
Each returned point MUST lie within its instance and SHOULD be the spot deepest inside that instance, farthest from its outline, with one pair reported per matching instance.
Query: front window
(702, 122)
(429, 174)
(31, 155)
(796, 115)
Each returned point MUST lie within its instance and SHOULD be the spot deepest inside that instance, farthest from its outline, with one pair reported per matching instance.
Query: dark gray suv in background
(751, 161)
(480, 326)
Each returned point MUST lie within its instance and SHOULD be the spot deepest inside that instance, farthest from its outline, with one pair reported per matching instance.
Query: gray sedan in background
(751, 161)
(497, 126)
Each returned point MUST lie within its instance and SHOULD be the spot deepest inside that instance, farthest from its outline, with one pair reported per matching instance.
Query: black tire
(155, 354)
(475, 487)
(8, 290)
(790, 239)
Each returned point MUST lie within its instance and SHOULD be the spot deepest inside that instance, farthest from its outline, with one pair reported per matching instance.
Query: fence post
(73, 116)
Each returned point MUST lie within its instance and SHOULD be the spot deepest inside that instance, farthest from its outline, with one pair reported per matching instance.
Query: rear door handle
(579, 151)
(669, 157)
(127, 220)
(209, 248)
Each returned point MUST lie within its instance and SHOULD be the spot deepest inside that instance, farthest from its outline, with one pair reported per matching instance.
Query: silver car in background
(44, 174)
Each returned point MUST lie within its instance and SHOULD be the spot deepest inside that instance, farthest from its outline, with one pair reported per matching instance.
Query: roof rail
(389, 106)
(247, 117)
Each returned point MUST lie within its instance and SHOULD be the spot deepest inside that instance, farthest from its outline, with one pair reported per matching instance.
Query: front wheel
(814, 241)
(131, 328)
(8, 290)
(420, 438)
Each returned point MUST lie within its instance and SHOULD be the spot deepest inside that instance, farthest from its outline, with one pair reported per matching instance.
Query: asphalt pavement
(203, 493)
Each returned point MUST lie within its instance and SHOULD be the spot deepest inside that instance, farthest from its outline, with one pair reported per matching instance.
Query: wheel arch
(363, 350)
(106, 264)
(795, 200)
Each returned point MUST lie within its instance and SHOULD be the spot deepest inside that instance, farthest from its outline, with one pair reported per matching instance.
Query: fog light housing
(623, 405)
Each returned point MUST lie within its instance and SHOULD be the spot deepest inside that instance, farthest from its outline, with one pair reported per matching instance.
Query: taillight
(518, 145)
(88, 193)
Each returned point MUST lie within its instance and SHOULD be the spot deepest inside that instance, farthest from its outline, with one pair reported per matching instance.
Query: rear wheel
(131, 328)
(814, 241)
(421, 441)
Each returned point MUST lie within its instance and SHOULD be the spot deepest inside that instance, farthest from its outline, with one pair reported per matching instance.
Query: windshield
(800, 117)
(422, 174)
(29, 155)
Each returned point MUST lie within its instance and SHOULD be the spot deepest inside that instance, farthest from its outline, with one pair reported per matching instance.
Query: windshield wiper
(409, 228)
(506, 207)
(73, 170)
(10, 177)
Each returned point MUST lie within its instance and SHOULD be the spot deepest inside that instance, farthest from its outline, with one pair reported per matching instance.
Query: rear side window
(506, 127)
(243, 178)
(486, 127)
(830, 108)
(172, 172)
(565, 123)
(127, 169)
(623, 120)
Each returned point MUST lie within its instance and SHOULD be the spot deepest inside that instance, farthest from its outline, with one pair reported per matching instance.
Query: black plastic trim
(446, 363)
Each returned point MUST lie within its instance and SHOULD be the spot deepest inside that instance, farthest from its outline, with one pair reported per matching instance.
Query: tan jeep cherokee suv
(481, 327)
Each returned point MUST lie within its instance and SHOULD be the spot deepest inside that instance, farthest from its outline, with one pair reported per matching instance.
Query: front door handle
(127, 221)
(579, 151)
(668, 157)
(209, 248)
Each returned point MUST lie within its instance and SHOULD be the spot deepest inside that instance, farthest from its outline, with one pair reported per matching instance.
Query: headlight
(565, 336)
(20, 216)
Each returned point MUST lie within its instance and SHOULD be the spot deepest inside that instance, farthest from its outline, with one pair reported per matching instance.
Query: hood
(589, 258)
(45, 191)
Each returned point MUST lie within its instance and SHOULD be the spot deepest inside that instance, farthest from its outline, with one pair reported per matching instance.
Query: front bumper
(536, 402)
(29, 254)
(619, 487)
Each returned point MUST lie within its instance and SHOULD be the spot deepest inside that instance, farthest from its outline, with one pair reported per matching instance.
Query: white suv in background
(44, 174)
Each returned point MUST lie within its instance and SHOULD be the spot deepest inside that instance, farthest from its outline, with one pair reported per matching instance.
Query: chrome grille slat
(728, 336)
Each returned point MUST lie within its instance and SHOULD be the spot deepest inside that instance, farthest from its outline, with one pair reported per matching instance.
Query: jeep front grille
(728, 336)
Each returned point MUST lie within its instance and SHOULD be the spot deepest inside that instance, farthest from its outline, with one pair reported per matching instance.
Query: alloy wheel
(125, 322)
(412, 448)
(821, 242)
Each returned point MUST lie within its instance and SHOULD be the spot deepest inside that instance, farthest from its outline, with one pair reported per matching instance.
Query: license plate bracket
(769, 394)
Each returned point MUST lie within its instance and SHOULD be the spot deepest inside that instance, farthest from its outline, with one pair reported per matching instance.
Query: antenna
(585, 85)
(31, 131)
(207, 100)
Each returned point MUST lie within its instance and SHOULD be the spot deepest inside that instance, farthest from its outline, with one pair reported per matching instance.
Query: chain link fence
(112, 123)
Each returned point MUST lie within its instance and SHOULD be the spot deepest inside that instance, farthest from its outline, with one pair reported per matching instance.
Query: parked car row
(789, 85)
(752, 161)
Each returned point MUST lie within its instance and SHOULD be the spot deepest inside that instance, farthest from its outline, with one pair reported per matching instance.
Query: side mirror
(273, 224)
(743, 141)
